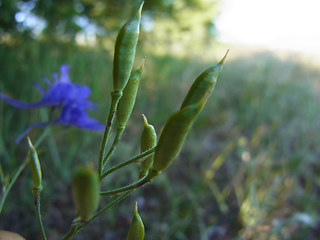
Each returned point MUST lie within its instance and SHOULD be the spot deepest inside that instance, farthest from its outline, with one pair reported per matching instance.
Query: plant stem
(115, 97)
(36, 194)
(1, 174)
(130, 161)
(54, 151)
(13, 180)
(116, 140)
(71, 232)
(19, 170)
(46, 131)
(77, 228)
(130, 187)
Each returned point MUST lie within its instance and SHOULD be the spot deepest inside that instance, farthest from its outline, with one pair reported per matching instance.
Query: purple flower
(70, 98)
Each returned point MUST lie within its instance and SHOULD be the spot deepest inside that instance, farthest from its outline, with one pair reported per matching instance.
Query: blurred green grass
(249, 168)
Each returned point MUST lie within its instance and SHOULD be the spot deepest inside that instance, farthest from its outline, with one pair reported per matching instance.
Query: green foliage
(249, 170)
(185, 16)
(8, 9)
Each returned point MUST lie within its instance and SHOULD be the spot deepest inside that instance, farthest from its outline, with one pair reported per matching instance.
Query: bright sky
(275, 24)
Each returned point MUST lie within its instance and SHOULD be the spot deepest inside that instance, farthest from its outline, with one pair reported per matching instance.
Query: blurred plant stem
(136, 159)
(114, 103)
(77, 227)
(7, 187)
(36, 194)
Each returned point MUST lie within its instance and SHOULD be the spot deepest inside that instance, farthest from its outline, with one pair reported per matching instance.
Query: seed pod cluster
(136, 230)
(125, 50)
(85, 191)
(148, 140)
(179, 124)
(35, 167)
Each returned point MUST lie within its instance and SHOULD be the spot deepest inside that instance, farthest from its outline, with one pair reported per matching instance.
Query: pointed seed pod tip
(224, 57)
(136, 208)
(136, 230)
(140, 9)
(145, 120)
(35, 167)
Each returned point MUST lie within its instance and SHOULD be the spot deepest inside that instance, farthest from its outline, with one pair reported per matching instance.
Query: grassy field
(249, 168)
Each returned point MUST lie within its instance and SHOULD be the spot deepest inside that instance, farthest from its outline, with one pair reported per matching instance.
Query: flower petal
(64, 73)
(39, 87)
(55, 77)
(80, 91)
(84, 104)
(91, 124)
(46, 80)
(22, 104)
(77, 116)
(58, 93)
(25, 132)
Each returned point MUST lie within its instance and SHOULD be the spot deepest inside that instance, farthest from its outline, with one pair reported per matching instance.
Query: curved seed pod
(173, 136)
(136, 230)
(35, 167)
(204, 84)
(85, 191)
(125, 50)
(128, 98)
(148, 140)
(178, 125)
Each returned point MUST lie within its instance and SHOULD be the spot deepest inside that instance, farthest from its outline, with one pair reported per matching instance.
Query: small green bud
(35, 167)
(85, 191)
(125, 50)
(148, 140)
(173, 136)
(136, 230)
(126, 103)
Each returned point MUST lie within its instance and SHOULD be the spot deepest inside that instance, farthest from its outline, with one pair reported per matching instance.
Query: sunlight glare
(276, 24)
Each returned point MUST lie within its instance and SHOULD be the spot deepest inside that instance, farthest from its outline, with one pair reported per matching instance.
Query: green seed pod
(35, 167)
(128, 98)
(136, 230)
(85, 191)
(178, 125)
(125, 50)
(148, 140)
(203, 85)
(173, 136)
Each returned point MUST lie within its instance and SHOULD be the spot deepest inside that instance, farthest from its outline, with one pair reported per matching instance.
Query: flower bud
(136, 230)
(148, 140)
(35, 167)
(125, 50)
(85, 191)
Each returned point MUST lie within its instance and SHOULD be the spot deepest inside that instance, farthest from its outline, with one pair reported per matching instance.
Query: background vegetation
(249, 169)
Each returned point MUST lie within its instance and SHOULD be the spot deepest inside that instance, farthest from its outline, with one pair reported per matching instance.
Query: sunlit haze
(274, 24)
